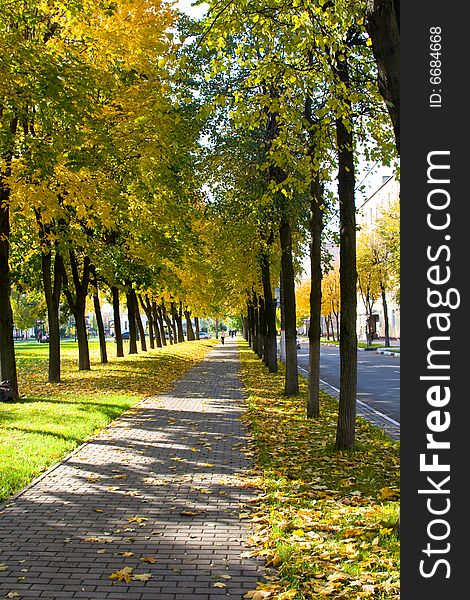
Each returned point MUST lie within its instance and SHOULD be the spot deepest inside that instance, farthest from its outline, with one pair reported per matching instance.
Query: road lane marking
(377, 412)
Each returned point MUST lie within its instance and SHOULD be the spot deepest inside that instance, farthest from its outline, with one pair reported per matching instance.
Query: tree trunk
(179, 322)
(189, 327)
(288, 279)
(138, 320)
(132, 323)
(174, 325)
(117, 322)
(314, 331)
(52, 287)
(346, 428)
(386, 319)
(251, 328)
(158, 324)
(169, 324)
(270, 349)
(99, 321)
(244, 327)
(261, 329)
(7, 344)
(196, 325)
(383, 26)
(77, 305)
(147, 308)
(256, 326)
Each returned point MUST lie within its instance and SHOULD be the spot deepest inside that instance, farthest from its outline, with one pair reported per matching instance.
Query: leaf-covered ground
(50, 420)
(325, 520)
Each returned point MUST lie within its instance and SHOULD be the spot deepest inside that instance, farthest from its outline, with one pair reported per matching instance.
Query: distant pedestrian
(222, 336)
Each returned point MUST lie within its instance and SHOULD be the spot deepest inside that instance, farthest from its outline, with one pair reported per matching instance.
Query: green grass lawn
(50, 420)
(325, 519)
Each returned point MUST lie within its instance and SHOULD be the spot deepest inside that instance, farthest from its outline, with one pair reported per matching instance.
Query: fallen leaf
(137, 519)
(298, 532)
(3, 567)
(275, 561)
(191, 513)
(148, 559)
(143, 576)
(12, 595)
(287, 595)
(219, 584)
(257, 594)
(124, 574)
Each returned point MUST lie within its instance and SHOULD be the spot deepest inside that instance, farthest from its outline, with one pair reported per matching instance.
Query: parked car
(204, 336)
(125, 335)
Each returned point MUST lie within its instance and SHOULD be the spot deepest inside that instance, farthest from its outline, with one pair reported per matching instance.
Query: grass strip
(51, 420)
(325, 520)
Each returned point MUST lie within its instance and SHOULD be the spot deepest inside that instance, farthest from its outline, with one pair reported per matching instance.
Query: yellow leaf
(191, 513)
(275, 561)
(137, 519)
(148, 559)
(258, 594)
(386, 493)
(124, 574)
(298, 532)
(219, 584)
(287, 595)
(143, 576)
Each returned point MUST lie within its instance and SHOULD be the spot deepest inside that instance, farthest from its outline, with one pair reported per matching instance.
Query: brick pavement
(163, 483)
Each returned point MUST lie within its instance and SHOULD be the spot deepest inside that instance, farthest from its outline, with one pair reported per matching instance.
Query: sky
(187, 7)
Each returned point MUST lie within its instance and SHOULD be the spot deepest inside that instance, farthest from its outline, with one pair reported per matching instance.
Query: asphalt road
(378, 377)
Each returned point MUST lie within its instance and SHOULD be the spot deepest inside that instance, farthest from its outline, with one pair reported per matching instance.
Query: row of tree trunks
(77, 303)
(158, 323)
(147, 308)
(259, 327)
(189, 327)
(138, 320)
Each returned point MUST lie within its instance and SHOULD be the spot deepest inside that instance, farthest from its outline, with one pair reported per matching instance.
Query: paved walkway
(157, 492)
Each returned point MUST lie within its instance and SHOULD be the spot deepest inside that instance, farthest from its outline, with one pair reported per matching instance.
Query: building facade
(371, 210)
